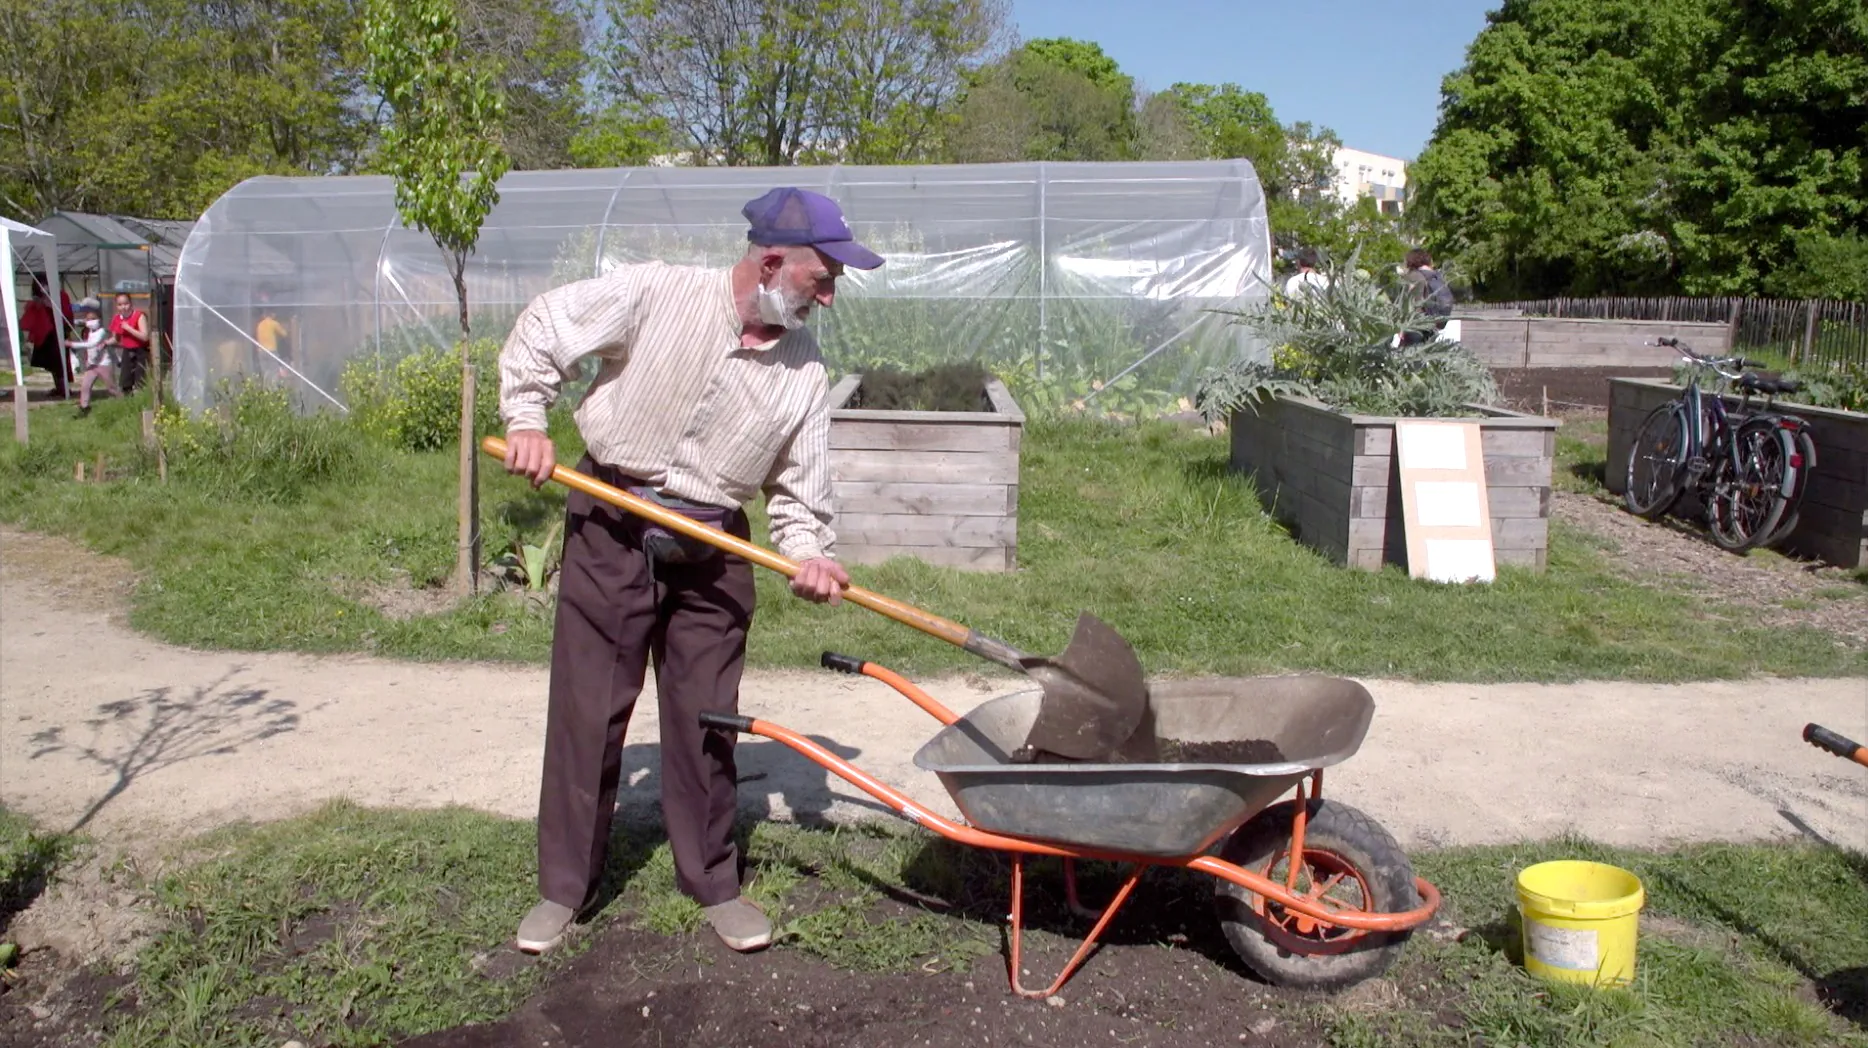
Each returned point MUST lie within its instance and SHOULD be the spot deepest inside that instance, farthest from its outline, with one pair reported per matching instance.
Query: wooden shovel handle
(906, 614)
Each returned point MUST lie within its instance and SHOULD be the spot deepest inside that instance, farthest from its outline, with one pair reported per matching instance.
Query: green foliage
(186, 100)
(440, 143)
(620, 136)
(1825, 266)
(1652, 146)
(413, 401)
(1049, 100)
(532, 564)
(1335, 345)
(254, 447)
(1843, 386)
(862, 81)
(29, 857)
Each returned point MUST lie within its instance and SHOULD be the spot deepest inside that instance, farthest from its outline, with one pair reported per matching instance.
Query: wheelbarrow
(1282, 869)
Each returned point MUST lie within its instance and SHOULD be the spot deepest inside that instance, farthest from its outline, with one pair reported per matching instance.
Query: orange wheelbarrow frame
(1310, 909)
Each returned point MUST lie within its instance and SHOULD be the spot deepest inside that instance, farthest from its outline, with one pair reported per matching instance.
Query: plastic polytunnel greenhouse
(1071, 281)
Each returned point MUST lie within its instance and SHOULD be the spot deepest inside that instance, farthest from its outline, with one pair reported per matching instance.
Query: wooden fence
(1803, 331)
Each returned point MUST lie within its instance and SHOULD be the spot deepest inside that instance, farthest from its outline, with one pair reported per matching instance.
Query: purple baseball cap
(788, 215)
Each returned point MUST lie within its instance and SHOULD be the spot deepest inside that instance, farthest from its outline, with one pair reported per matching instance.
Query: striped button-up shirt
(677, 401)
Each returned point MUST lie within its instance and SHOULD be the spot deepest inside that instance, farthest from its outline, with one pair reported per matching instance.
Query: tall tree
(901, 85)
(535, 50)
(1600, 146)
(1054, 99)
(441, 147)
(793, 81)
(181, 101)
(1778, 165)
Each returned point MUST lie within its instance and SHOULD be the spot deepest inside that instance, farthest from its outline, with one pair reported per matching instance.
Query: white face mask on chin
(780, 309)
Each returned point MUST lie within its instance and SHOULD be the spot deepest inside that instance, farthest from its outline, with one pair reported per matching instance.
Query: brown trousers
(612, 617)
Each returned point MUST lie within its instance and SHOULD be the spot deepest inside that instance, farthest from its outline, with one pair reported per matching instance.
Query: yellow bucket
(1581, 920)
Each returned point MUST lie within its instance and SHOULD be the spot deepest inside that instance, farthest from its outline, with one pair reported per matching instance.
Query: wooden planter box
(1832, 525)
(1331, 478)
(940, 486)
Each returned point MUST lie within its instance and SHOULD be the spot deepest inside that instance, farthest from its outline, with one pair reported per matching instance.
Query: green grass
(29, 856)
(1582, 457)
(369, 925)
(1141, 526)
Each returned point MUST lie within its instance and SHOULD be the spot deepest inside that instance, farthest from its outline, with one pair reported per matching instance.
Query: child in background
(93, 354)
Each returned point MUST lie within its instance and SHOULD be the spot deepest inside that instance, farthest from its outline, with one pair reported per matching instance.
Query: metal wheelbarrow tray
(1276, 863)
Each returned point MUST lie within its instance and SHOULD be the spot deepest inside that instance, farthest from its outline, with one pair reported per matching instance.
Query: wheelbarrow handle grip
(726, 722)
(842, 663)
(1824, 739)
(908, 615)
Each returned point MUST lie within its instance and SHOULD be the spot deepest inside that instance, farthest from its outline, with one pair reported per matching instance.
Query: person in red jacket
(130, 327)
(40, 327)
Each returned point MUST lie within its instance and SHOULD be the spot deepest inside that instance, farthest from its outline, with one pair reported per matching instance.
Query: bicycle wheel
(1749, 488)
(1802, 464)
(1656, 461)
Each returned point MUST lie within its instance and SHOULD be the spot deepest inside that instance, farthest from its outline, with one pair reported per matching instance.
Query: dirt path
(142, 741)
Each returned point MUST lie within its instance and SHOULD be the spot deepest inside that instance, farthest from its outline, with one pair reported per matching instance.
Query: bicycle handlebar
(1718, 364)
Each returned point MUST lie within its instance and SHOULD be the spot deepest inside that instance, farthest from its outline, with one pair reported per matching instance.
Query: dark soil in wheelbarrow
(635, 988)
(1175, 751)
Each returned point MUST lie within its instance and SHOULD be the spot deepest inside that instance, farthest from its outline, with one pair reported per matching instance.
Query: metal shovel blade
(1094, 696)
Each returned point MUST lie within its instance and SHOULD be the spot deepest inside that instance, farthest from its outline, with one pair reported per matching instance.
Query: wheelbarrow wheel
(1349, 862)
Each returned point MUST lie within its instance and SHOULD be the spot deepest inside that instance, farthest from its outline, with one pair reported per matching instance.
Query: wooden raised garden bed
(1331, 478)
(940, 486)
(1832, 523)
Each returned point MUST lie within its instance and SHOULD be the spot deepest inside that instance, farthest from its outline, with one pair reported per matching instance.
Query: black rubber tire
(1345, 834)
(1764, 451)
(1653, 505)
(1792, 509)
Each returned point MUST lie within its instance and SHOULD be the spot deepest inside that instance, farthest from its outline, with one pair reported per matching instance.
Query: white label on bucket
(1567, 948)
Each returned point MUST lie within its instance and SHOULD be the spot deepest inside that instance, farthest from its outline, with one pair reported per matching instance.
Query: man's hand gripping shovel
(1094, 693)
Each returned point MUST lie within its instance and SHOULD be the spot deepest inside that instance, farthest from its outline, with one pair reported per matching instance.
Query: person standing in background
(40, 326)
(94, 355)
(130, 327)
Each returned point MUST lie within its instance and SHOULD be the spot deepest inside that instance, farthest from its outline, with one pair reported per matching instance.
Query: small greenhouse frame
(1072, 281)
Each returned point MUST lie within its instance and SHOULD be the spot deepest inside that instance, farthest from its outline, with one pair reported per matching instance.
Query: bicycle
(1746, 468)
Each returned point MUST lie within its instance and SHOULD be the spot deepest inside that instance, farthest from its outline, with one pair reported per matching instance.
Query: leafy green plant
(1843, 386)
(413, 403)
(254, 445)
(1336, 345)
(529, 565)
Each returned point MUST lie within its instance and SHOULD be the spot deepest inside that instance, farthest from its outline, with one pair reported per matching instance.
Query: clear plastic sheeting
(1074, 282)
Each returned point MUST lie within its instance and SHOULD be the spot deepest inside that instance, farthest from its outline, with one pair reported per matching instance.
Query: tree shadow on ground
(160, 727)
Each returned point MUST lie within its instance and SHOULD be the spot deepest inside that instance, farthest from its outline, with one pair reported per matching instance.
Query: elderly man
(710, 390)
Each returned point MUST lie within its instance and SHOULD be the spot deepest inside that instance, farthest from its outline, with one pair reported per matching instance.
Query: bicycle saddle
(1760, 384)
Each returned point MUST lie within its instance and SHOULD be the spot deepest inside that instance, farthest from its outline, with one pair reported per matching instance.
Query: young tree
(442, 146)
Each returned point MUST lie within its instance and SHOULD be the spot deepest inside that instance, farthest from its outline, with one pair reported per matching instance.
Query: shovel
(1094, 694)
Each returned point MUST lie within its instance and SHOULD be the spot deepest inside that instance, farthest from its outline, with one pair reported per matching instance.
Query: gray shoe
(740, 924)
(544, 927)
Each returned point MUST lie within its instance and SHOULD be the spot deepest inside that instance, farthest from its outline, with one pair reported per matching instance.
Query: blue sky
(1370, 71)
